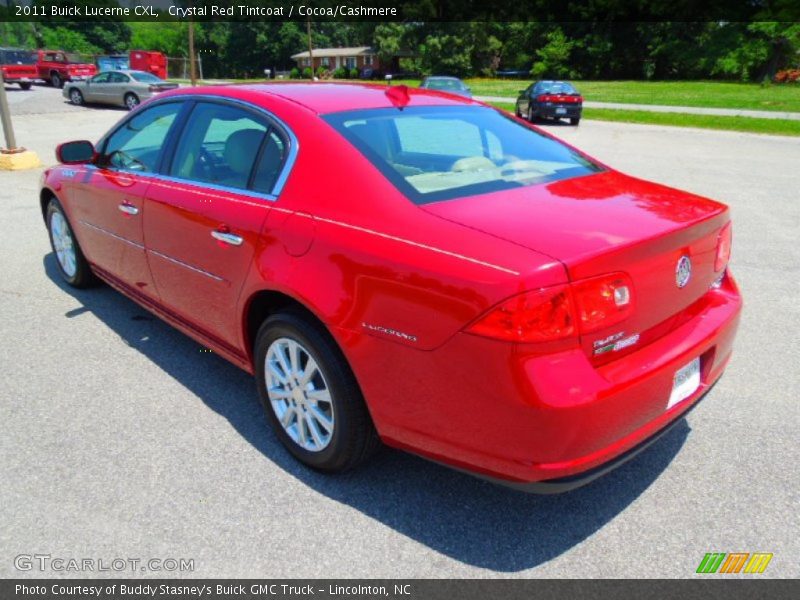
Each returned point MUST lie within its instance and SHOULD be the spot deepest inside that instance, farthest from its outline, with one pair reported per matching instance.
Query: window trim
(170, 144)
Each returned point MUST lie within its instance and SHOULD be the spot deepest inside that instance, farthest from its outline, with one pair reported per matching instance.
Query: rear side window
(229, 146)
(439, 153)
(219, 145)
(269, 163)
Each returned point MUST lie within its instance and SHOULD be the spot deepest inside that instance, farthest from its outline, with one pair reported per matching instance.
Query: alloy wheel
(63, 244)
(299, 394)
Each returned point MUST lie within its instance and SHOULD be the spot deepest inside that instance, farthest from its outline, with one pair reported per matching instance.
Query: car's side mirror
(75, 153)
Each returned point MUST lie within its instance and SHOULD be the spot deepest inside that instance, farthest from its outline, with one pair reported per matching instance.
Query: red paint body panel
(343, 241)
(149, 61)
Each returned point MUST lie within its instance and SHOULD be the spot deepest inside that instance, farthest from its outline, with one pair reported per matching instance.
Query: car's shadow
(467, 519)
(96, 106)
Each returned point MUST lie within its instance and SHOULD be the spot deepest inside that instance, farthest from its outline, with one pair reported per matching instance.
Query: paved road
(693, 110)
(120, 438)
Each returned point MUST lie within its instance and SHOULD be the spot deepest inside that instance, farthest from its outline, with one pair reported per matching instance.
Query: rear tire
(575, 121)
(131, 101)
(72, 265)
(25, 85)
(56, 81)
(531, 117)
(311, 387)
(76, 97)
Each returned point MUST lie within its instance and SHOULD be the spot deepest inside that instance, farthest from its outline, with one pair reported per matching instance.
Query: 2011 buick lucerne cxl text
(407, 266)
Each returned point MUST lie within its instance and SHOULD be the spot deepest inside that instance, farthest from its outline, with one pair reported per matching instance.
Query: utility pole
(310, 46)
(192, 73)
(12, 157)
(8, 128)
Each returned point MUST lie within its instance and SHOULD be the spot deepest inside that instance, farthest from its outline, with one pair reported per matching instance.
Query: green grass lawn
(746, 124)
(674, 93)
(712, 94)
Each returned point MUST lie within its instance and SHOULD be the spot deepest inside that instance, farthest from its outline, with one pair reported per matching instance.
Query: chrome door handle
(228, 238)
(128, 209)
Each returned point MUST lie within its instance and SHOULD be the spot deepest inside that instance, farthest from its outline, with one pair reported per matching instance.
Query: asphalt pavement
(120, 438)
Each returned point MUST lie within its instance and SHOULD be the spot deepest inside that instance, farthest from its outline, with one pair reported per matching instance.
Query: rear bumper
(560, 111)
(543, 422)
(572, 482)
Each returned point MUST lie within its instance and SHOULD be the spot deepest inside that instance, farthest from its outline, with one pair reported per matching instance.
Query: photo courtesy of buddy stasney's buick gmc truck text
(409, 267)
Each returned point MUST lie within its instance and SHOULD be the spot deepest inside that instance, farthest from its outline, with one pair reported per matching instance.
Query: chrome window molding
(280, 182)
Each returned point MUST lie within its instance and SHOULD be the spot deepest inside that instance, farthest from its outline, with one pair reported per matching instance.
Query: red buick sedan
(405, 266)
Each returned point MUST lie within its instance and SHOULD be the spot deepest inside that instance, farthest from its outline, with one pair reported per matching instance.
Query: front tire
(72, 265)
(131, 101)
(310, 395)
(76, 97)
(25, 85)
(56, 81)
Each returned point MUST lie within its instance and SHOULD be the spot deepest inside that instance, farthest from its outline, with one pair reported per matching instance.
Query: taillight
(538, 316)
(723, 247)
(603, 301)
(544, 98)
(559, 312)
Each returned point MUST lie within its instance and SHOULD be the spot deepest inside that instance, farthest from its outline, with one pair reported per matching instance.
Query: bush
(354, 73)
(340, 73)
(307, 73)
(323, 73)
(788, 76)
(294, 73)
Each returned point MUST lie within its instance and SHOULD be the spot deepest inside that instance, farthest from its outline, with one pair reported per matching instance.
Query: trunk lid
(605, 223)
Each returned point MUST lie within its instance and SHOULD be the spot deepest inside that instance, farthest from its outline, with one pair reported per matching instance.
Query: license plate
(685, 382)
(561, 111)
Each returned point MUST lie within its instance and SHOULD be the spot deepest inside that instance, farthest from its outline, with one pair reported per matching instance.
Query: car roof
(337, 97)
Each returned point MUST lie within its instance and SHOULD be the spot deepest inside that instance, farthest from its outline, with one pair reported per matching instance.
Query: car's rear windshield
(444, 152)
(145, 77)
(444, 84)
(556, 87)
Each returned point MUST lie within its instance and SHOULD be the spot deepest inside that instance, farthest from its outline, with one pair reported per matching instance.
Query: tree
(553, 57)
(169, 38)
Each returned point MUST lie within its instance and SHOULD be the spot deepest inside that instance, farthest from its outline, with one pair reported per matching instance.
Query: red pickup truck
(18, 66)
(54, 66)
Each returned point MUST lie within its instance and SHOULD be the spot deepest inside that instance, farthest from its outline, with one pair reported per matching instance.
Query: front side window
(219, 145)
(137, 144)
(439, 153)
(118, 78)
(101, 78)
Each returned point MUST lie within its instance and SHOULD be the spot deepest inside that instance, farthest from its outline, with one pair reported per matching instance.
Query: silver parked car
(121, 88)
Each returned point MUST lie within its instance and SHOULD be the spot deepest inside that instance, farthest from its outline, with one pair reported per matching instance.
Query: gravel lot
(120, 438)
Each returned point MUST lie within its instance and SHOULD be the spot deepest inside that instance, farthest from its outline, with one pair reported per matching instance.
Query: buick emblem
(683, 271)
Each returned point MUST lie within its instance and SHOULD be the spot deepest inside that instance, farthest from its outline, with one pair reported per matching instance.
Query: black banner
(715, 587)
(55, 11)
